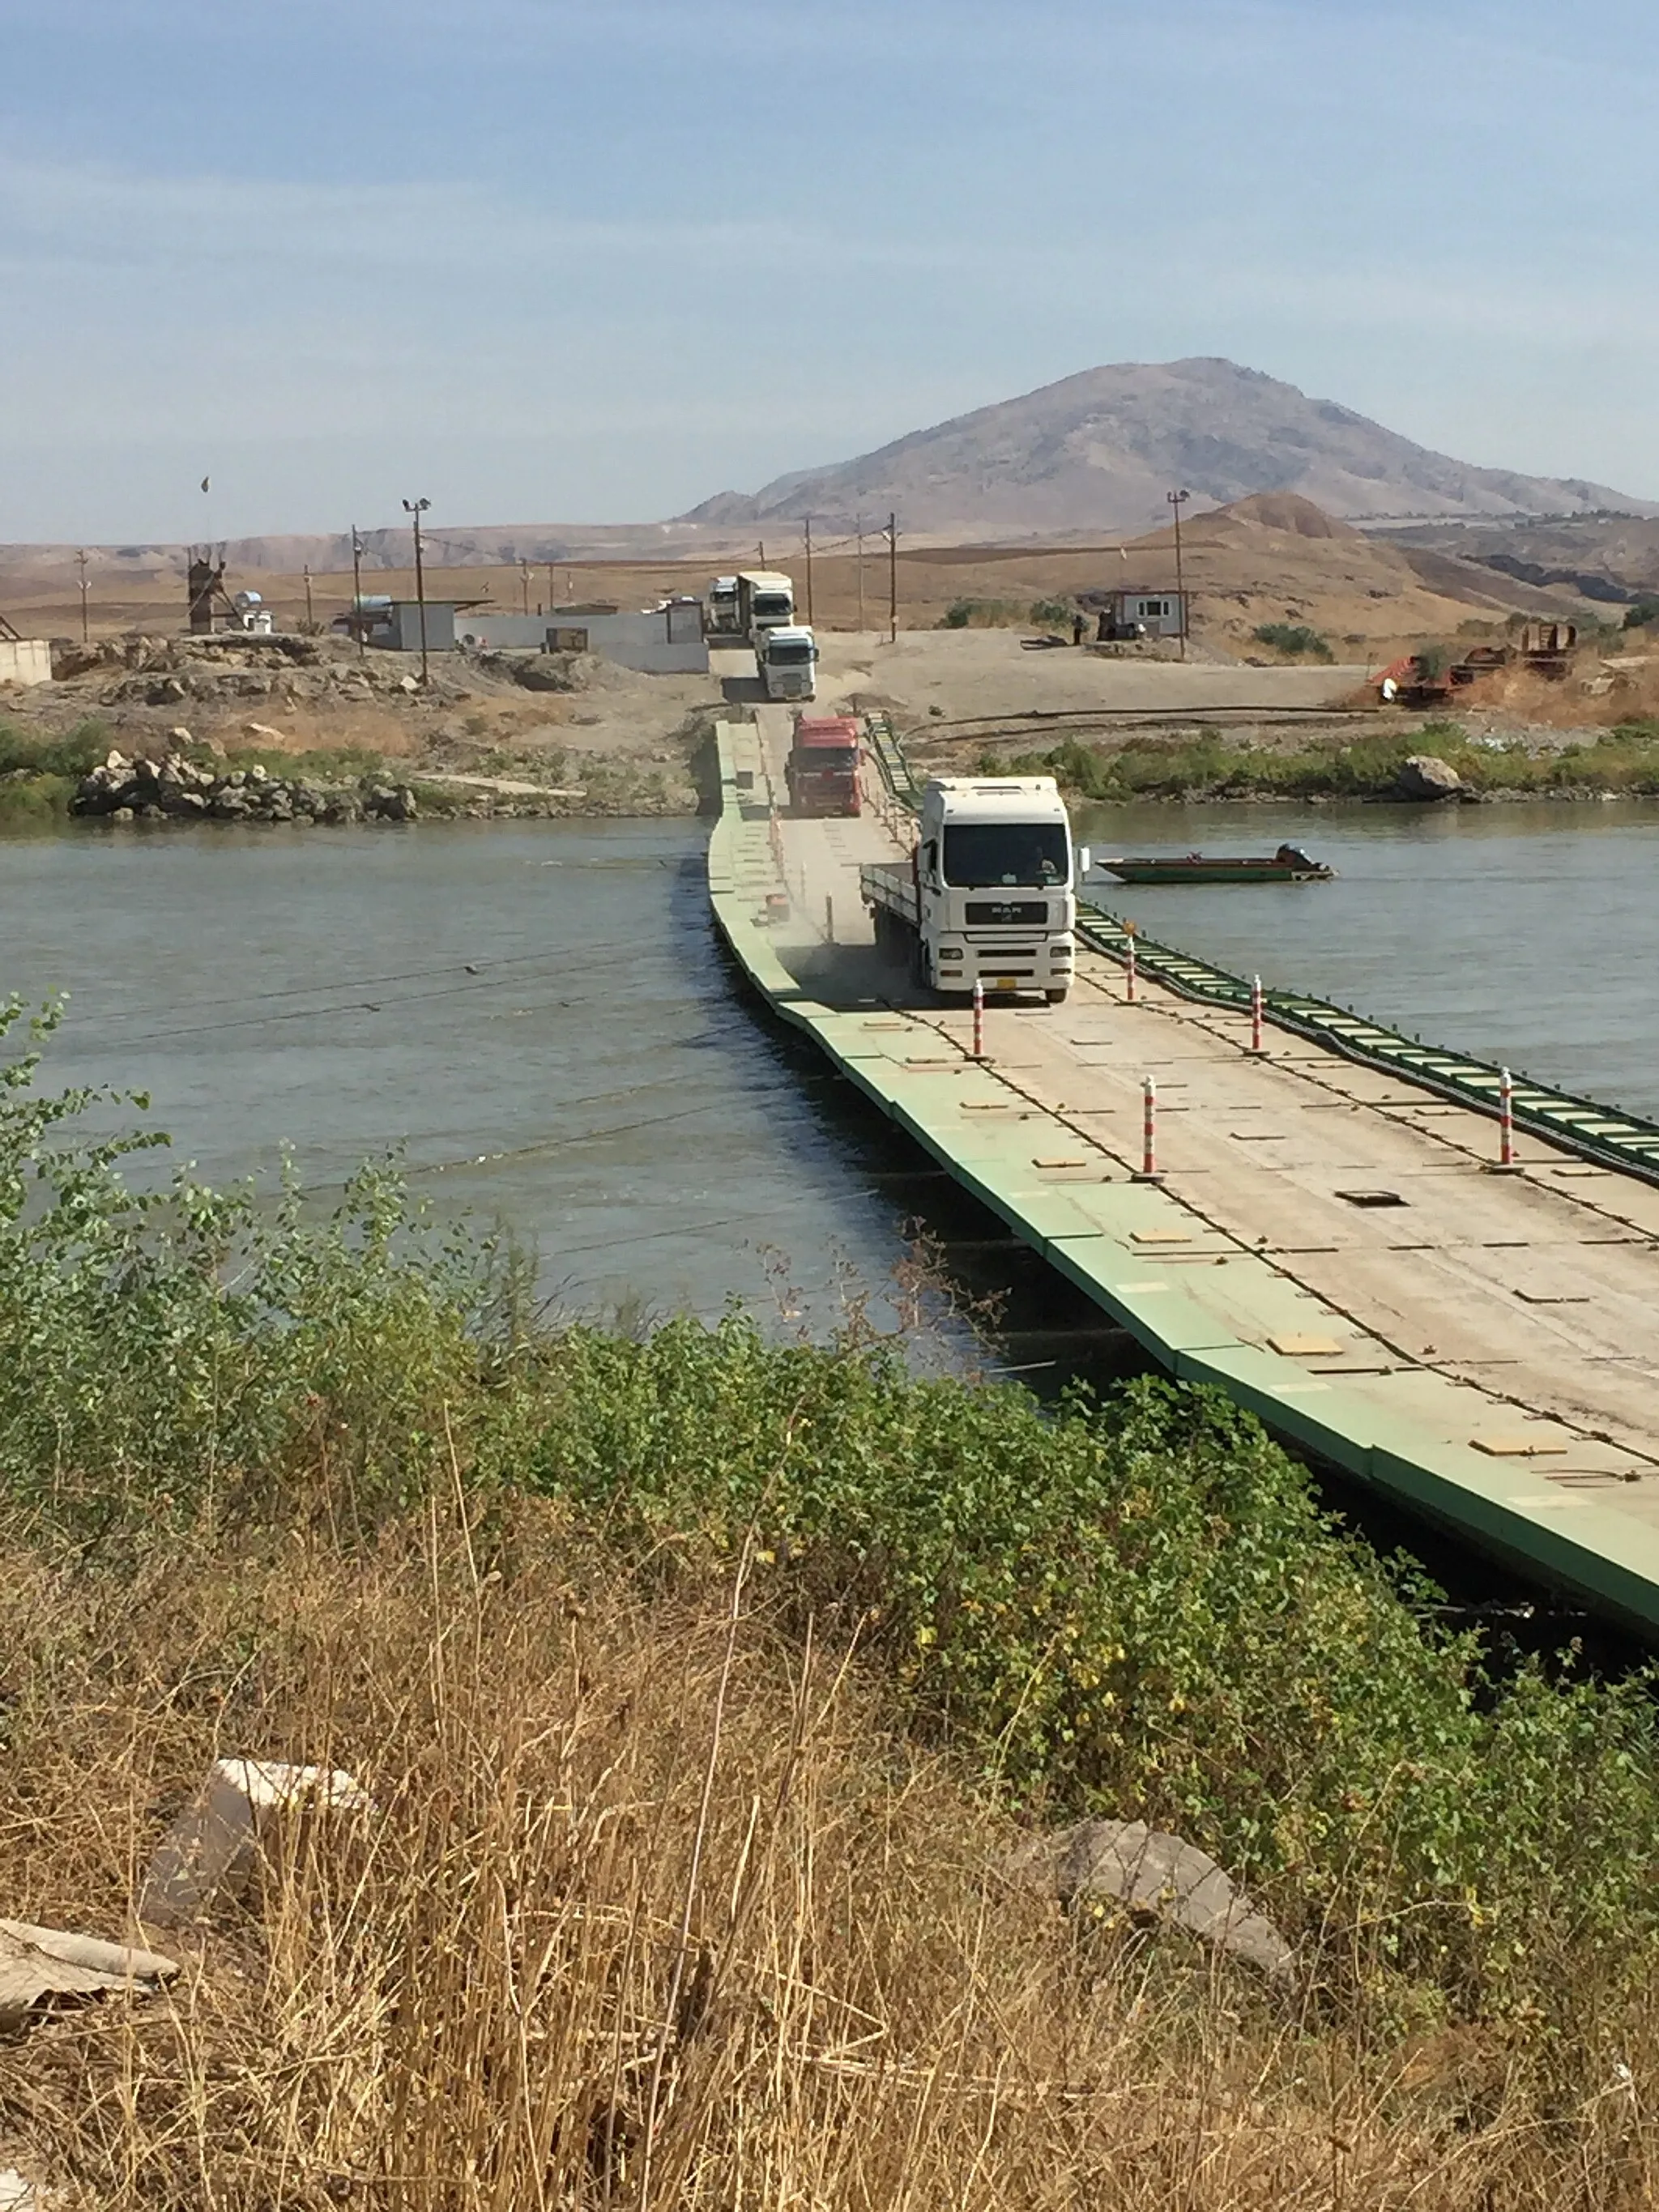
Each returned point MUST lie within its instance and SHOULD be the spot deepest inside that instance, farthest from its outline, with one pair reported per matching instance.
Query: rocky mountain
(1098, 452)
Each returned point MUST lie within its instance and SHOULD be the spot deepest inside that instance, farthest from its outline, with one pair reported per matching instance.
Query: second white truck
(987, 896)
(766, 600)
(787, 660)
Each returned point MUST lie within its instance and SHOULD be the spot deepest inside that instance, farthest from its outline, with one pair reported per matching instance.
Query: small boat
(1289, 864)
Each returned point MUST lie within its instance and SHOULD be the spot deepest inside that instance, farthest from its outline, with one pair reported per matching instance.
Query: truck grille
(1006, 910)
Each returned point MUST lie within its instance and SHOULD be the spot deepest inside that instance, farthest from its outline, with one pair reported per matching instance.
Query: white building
(664, 641)
(1135, 612)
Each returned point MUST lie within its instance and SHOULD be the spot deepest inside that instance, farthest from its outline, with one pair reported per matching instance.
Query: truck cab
(993, 873)
(723, 619)
(766, 601)
(787, 658)
(823, 769)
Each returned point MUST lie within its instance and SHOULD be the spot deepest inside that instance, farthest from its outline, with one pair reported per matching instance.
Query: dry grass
(656, 1910)
(1531, 698)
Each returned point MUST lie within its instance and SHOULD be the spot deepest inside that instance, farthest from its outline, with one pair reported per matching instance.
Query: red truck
(823, 769)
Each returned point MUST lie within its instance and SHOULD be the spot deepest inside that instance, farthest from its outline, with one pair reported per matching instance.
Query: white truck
(766, 600)
(788, 659)
(723, 616)
(986, 897)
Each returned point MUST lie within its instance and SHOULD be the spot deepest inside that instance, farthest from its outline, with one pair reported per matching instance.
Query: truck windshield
(773, 606)
(979, 855)
(838, 757)
(788, 656)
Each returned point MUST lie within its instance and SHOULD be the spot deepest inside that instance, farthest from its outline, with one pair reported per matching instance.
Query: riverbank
(663, 1655)
(515, 734)
(1209, 764)
(83, 775)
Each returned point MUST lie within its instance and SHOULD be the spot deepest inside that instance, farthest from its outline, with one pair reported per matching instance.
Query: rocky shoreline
(176, 788)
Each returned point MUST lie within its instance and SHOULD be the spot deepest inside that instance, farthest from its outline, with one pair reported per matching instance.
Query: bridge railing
(1578, 1125)
(899, 800)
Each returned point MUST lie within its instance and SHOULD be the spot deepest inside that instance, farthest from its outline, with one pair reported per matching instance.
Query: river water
(1526, 934)
(538, 1017)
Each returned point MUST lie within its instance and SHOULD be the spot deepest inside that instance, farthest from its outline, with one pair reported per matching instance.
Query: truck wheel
(1056, 998)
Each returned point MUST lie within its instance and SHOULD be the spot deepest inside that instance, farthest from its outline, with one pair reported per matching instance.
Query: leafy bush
(1135, 1605)
(1642, 614)
(981, 614)
(1052, 614)
(1295, 639)
(72, 754)
(35, 799)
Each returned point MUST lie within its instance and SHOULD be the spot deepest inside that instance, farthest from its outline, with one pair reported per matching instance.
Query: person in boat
(1293, 856)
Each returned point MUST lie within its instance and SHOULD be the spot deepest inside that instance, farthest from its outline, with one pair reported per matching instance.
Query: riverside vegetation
(45, 779)
(702, 1682)
(1211, 765)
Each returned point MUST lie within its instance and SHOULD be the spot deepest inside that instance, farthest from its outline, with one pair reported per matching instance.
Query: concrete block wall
(25, 660)
(655, 642)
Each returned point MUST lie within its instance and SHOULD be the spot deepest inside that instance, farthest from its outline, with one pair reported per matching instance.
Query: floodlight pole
(415, 508)
(357, 623)
(807, 526)
(861, 539)
(81, 563)
(1177, 500)
(892, 579)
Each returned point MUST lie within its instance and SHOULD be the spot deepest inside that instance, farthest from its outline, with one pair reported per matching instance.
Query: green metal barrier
(888, 757)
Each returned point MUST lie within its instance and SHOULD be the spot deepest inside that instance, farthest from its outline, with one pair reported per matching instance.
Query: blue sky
(541, 260)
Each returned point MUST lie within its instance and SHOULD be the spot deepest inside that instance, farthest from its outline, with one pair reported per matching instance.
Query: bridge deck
(1482, 1345)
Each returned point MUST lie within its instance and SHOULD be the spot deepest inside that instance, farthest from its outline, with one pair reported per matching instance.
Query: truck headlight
(950, 952)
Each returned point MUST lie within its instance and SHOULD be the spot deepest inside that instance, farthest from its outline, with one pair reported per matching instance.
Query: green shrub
(1295, 639)
(1134, 1604)
(37, 798)
(981, 614)
(72, 754)
(1052, 614)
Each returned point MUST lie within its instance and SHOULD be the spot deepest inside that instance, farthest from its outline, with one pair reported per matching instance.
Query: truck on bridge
(766, 601)
(788, 659)
(986, 897)
(822, 767)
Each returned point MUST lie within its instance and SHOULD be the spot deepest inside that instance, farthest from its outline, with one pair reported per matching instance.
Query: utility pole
(892, 579)
(415, 508)
(860, 528)
(807, 527)
(1177, 500)
(81, 563)
(357, 623)
(524, 580)
(310, 619)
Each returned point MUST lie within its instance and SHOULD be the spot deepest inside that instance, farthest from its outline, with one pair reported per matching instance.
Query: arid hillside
(1099, 451)
(1271, 558)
